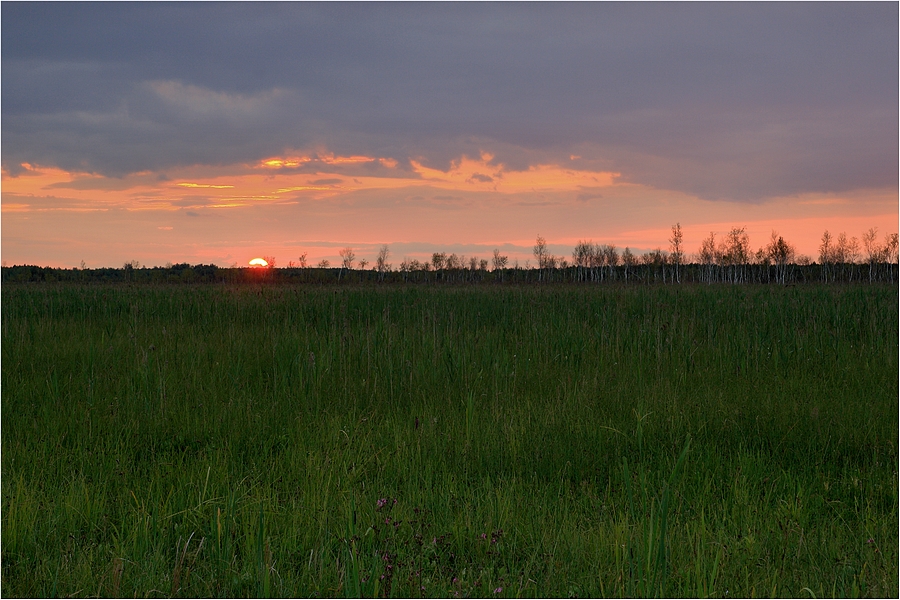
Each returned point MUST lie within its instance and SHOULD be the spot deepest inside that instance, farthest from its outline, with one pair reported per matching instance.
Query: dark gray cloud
(726, 101)
(480, 178)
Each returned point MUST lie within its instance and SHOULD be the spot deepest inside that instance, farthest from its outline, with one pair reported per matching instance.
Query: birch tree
(629, 260)
(736, 252)
(874, 251)
(347, 258)
(606, 256)
(781, 253)
(498, 261)
(890, 253)
(826, 253)
(582, 256)
(541, 254)
(676, 248)
(381, 264)
(708, 255)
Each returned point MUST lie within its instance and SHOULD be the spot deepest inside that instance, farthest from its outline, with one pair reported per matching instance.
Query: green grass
(549, 441)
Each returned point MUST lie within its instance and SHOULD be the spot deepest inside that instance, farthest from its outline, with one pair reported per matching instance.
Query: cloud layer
(736, 102)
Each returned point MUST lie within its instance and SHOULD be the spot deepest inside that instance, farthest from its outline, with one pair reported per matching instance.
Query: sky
(217, 133)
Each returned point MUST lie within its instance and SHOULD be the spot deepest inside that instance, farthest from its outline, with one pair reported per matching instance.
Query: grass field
(703, 441)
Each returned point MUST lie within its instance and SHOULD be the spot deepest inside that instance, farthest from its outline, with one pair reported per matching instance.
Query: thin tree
(347, 257)
(826, 253)
(781, 253)
(874, 251)
(708, 255)
(498, 262)
(581, 257)
(381, 264)
(610, 258)
(406, 268)
(541, 254)
(891, 253)
(736, 252)
(629, 260)
(676, 247)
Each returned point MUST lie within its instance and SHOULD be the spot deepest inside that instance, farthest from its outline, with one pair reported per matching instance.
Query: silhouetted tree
(874, 251)
(541, 254)
(582, 258)
(381, 264)
(347, 258)
(453, 262)
(735, 253)
(891, 253)
(606, 255)
(708, 255)
(629, 260)
(781, 253)
(498, 262)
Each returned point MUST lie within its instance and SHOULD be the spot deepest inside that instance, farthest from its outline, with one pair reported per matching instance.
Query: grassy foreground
(407, 441)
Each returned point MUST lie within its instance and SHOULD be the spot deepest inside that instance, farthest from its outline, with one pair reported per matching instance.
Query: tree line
(725, 259)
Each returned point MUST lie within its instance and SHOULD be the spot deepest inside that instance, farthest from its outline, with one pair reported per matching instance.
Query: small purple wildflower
(498, 590)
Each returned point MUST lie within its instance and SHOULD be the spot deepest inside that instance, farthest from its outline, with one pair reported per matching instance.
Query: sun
(258, 262)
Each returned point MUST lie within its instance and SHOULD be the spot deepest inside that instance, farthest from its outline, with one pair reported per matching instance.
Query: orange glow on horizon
(353, 200)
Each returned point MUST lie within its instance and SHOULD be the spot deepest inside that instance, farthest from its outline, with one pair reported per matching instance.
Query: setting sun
(259, 262)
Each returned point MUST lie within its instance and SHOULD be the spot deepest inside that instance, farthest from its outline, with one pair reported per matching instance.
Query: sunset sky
(216, 133)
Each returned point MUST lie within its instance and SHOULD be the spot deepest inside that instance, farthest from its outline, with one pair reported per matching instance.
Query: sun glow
(258, 262)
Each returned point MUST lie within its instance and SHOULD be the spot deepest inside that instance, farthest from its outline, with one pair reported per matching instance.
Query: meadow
(491, 441)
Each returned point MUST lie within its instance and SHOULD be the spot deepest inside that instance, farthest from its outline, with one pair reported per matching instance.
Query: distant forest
(841, 259)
